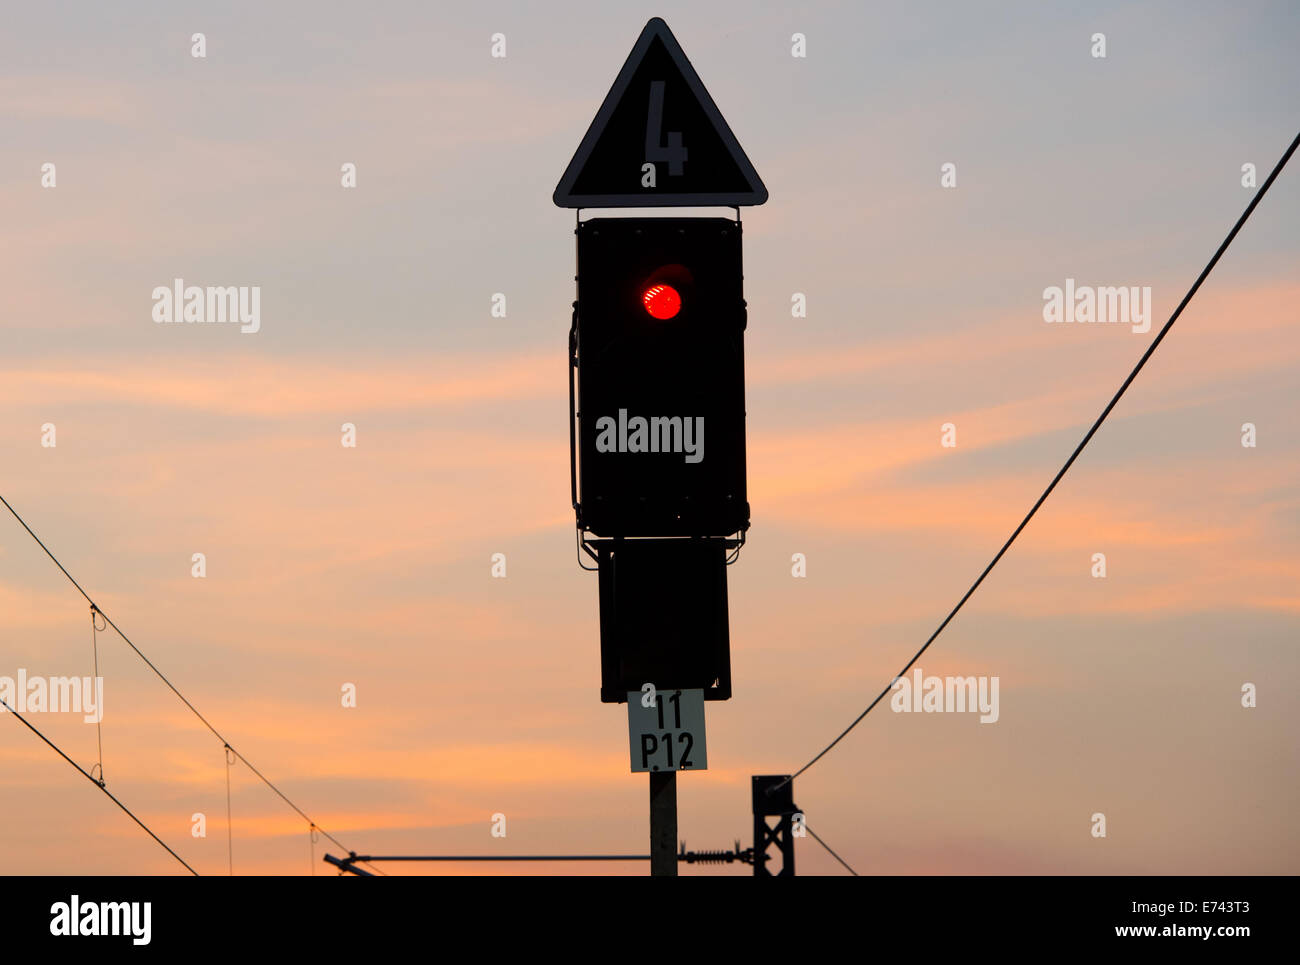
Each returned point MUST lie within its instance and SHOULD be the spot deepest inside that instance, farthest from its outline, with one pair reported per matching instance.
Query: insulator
(711, 857)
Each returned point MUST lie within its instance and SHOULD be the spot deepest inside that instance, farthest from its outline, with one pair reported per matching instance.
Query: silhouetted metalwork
(717, 857)
(349, 864)
(773, 797)
(663, 616)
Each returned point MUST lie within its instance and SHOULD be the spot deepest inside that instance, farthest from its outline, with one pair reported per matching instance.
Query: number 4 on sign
(673, 152)
(668, 736)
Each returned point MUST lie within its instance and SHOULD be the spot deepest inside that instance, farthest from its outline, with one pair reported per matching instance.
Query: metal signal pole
(663, 824)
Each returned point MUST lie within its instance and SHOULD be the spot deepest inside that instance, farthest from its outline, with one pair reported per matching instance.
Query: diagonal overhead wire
(828, 848)
(161, 676)
(1155, 343)
(26, 723)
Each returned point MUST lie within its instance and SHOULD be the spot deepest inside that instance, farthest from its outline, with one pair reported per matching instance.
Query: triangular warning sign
(658, 139)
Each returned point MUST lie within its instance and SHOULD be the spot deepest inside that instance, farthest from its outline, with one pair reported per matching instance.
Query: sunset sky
(372, 565)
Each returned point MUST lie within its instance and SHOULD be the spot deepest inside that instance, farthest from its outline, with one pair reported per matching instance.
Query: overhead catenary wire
(1259, 196)
(99, 784)
(831, 850)
(161, 676)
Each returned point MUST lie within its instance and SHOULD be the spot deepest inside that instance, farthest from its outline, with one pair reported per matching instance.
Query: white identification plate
(668, 736)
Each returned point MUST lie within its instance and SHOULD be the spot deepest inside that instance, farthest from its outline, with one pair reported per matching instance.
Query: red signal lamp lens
(662, 301)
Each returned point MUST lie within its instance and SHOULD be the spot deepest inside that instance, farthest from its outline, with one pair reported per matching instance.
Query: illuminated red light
(662, 301)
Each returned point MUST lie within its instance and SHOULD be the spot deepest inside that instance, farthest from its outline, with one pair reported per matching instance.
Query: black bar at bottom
(1157, 917)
